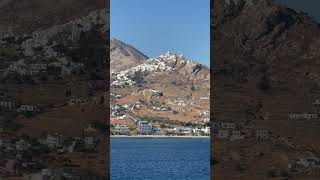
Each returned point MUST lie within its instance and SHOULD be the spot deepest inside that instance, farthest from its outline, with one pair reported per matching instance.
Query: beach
(156, 136)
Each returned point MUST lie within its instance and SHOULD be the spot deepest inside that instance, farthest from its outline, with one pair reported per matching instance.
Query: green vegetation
(28, 114)
(138, 77)
(193, 88)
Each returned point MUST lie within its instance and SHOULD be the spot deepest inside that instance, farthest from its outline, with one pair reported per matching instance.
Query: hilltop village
(143, 104)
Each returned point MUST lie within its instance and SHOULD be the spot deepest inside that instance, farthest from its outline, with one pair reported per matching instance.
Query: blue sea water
(160, 158)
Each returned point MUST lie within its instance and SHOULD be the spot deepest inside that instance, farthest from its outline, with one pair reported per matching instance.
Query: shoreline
(155, 136)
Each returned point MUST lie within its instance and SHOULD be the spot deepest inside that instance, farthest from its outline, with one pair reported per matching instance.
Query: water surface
(160, 158)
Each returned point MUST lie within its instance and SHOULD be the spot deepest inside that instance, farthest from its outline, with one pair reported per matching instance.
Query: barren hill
(266, 69)
(124, 56)
(266, 49)
(169, 89)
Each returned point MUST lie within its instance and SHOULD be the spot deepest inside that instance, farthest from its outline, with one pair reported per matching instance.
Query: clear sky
(157, 26)
(309, 6)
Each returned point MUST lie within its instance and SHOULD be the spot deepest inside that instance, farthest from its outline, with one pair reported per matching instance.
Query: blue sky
(157, 26)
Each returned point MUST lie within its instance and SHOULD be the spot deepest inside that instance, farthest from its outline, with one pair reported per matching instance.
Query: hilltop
(124, 56)
(169, 89)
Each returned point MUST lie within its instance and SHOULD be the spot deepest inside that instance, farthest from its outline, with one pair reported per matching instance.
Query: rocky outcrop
(166, 63)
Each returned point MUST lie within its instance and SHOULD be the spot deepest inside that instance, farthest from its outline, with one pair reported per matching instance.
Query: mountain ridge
(124, 55)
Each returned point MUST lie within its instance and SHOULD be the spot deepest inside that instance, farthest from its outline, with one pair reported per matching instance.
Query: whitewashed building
(206, 130)
(262, 134)
(236, 135)
(198, 132)
(21, 145)
(156, 131)
(228, 125)
(223, 134)
(27, 108)
(77, 101)
(144, 127)
(121, 129)
(89, 140)
(53, 141)
(7, 104)
(183, 130)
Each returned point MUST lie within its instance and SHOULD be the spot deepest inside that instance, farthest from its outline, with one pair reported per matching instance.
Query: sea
(145, 158)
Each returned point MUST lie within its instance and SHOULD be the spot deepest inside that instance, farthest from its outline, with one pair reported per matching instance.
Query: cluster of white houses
(8, 103)
(22, 69)
(181, 102)
(123, 78)
(146, 128)
(18, 150)
(233, 131)
(151, 93)
(118, 111)
(11, 105)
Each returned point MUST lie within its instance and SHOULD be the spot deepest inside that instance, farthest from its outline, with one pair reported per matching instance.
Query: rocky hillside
(26, 16)
(169, 89)
(266, 68)
(69, 46)
(272, 36)
(169, 63)
(265, 45)
(52, 77)
(124, 56)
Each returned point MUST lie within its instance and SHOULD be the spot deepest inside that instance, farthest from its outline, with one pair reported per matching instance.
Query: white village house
(223, 134)
(52, 141)
(183, 130)
(21, 145)
(121, 129)
(156, 131)
(236, 135)
(144, 127)
(228, 125)
(198, 132)
(262, 134)
(206, 130)
(7, 104)
(77, 101)
(27, 108)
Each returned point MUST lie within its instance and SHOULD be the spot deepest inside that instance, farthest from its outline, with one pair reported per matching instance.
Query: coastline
(155, 136)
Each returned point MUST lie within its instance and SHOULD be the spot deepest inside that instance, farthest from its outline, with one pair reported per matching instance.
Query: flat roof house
(223, 134)
(228, 125)
(121, 129)
(7, 104)
(262, 134)
(144, 127)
